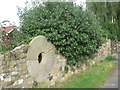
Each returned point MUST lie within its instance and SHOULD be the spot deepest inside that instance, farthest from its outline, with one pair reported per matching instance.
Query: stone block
(25, 48)
(28, 82)
(44, 84)
(7, 57)
(18, 82)
(23, 72)
(16, 48)
(15, 57)
(24, 66)
(83, 67)
(40, 47)
(14, 78)
(1, 57)
(52, 83)
(14, 73)
(1, 70)
(18, 52)
(4, 62)
(6, 70)
(7, 79)
(4, 84)
(24, 76)
(0, 63)
(2, 76)
(18, 68)
(22, 56)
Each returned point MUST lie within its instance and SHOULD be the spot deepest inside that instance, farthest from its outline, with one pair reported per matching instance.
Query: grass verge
(93, 77)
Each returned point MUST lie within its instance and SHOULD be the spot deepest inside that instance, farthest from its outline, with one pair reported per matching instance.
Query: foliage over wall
(75, 33)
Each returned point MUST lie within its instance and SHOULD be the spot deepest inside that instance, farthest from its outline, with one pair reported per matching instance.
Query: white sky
(8, 9)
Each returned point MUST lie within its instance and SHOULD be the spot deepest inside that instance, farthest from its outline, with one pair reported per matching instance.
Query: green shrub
(110, 58)
(111, 30)
(75, 33)
(19, 38)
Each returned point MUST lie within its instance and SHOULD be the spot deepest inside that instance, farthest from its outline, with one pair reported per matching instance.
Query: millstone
(40, 58)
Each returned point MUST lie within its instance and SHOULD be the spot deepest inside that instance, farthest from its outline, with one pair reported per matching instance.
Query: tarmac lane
(113, 81)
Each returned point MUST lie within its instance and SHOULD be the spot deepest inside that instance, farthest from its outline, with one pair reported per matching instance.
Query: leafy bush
(75, 33)
(112, 30)
(19, 38)
(110, 58)
(16, 40)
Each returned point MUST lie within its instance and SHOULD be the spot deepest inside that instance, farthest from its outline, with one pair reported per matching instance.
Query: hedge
(75, 33)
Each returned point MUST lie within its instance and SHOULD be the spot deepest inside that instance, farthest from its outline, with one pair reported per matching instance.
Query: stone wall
(58, 75)
(21, 68)
(115, 47)
(13, 69)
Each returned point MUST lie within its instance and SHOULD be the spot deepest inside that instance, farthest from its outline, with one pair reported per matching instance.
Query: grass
(118, 52)
(93, 77)
(110, 58)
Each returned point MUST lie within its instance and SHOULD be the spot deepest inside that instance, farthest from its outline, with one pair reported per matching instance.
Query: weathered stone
(2, 76)
(18, 82)
(16, 48)
(5, 70)
(23, 72)
(13, 78)
(25, 48)
(52, 83)
(4, 62)
(0, 63)
(62, 80)
(1, 70)
(50, 78)
(62, 74)
(24, 66)
(83, 67)
(59, 65)
(10, 83)
(23, 60)
(44, 83)
(89, 63)
(23, 55)
(4, 84)
(7, 57)
(40, 70)
(13, 64)
(24, 76)
(1, 57)
(11, 68)
(19, 52)
(7, 79)
(14, 73)
(15, 57)
(55, 77)
(76, 71)
(18, 68)
(28, 82)
(93, 62)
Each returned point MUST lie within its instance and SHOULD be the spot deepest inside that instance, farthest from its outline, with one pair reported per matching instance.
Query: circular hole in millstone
(40, 58)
